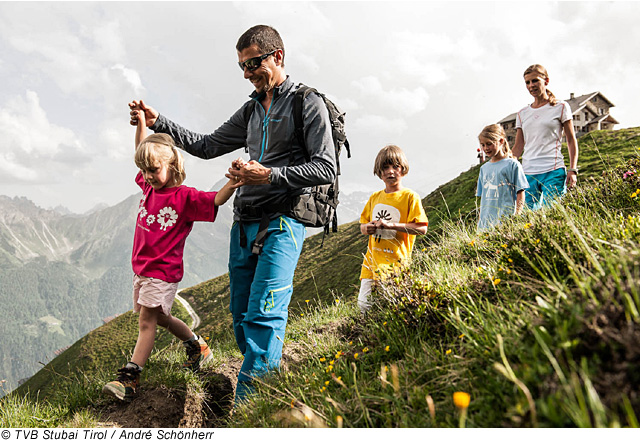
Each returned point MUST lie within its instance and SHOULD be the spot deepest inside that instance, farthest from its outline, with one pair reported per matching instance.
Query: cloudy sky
(426, 76)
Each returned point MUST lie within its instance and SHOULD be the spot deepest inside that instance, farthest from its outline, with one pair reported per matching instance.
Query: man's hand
(251, 173)
(236, 165)
(150, 114)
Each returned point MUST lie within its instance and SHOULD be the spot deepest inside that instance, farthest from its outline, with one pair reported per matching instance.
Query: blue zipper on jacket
(265, 130)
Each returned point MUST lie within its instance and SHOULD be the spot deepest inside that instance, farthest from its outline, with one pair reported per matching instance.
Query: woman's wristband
(573, 170)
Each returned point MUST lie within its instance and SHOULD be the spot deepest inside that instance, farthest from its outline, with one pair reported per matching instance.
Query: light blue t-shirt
(498, 186)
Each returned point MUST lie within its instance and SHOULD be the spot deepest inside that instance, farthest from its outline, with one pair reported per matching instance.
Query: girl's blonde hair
(160, 148)
(541, 72)
(494, 133)
(390, 155)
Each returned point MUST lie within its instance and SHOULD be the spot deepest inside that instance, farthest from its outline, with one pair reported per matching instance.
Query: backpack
(318, 209)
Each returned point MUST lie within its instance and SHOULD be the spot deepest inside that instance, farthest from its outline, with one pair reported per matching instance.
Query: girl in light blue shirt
(501, 183)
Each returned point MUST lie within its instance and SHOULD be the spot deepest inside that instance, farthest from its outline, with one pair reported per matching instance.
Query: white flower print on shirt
(151, 219)
(167, 217)
(142, 212)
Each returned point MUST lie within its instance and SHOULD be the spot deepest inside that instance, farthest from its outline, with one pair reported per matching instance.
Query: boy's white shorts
(152, 292)
(365, 291)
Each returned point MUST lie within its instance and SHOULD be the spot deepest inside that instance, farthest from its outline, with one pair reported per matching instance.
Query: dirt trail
(161, 407)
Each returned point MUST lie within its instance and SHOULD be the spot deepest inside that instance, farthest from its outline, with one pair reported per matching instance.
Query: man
(261, 268)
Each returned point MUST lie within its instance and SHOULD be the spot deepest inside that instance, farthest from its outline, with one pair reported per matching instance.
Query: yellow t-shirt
(387, 247)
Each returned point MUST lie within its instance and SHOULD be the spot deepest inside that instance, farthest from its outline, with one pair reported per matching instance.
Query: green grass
(106, 348)
(537, 320)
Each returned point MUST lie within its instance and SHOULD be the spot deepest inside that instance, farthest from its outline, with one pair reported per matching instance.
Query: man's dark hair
(264, 37)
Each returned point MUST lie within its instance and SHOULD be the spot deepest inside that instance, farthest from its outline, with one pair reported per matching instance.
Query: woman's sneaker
(125, 386)
(198, 353)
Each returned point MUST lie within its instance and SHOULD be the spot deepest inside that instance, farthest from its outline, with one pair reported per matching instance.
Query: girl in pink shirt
(166, 215)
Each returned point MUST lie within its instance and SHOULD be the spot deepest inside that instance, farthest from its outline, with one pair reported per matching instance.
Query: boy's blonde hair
(390, 155)
(542, 73)
(160, 148)
(494, 133)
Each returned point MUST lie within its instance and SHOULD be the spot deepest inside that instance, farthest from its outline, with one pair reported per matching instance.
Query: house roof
(576, 104)
(607, 117)
(508, 118)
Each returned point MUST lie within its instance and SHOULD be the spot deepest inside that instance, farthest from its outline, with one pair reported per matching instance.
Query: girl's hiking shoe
(125, 386)
(198, 353)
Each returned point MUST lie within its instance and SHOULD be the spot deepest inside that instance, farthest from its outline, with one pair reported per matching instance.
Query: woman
(539, 129)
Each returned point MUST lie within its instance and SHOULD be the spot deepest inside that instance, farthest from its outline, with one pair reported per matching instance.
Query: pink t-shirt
(165, 218)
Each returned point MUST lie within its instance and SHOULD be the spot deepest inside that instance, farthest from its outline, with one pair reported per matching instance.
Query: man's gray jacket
(271, 140)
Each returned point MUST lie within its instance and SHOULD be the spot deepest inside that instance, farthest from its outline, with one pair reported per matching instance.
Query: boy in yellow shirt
(391, 218)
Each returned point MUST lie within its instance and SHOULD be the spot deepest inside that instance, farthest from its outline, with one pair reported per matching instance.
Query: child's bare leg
(176, 326)
(147, 322)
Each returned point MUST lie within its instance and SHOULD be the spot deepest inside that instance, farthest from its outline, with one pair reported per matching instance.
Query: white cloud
(430, 57)
(397, 100)
(131, 76)
(378, 126)
(31, 143)
(12, 170)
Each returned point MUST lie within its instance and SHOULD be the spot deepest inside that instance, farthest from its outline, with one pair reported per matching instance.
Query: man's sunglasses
(254, 63)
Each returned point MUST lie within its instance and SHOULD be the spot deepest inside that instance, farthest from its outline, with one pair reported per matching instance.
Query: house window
(577, 117)
(600, 111)
(586, 117)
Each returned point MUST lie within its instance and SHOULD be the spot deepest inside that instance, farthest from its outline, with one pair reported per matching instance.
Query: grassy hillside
(537, 320)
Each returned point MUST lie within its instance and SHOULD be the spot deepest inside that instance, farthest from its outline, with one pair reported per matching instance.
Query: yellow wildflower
(364, 350)
(448, 351)
(383, 324)
(337, 301)
(461, 400)
(496, 281)
(461, 335)
(355, 355)
(510, 260)
(386, 348)
(326, 383)
(323, 359)
(503, 245)
(306, 301)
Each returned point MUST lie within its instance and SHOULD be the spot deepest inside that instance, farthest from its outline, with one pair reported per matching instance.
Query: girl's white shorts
(152, 292)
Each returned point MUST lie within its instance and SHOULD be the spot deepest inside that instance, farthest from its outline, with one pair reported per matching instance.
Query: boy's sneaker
(198, 353)
(125, 387)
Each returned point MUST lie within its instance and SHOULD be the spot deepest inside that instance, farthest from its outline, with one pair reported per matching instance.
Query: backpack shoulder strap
(248, 110)
(298, 120)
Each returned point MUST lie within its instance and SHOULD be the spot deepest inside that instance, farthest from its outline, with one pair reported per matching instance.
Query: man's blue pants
(261, 288)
